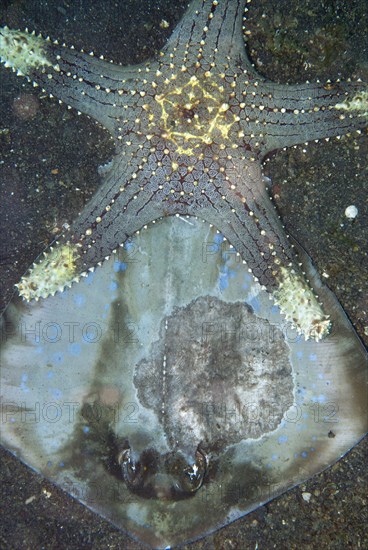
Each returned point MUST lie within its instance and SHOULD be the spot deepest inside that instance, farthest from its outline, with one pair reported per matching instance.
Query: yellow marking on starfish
(184, 115)
(22, 51)
(357, 103)
(300, 306)
(56, 271)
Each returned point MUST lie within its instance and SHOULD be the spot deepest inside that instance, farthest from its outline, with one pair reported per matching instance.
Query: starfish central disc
(195, 113)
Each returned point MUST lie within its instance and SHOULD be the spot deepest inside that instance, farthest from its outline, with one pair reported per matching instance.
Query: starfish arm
(285, 115)
(89, 84)
(212, 32)
(240, 208)
(125, 202)
(244, 214)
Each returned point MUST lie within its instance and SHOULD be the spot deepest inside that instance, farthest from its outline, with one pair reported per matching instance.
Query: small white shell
(351, 212)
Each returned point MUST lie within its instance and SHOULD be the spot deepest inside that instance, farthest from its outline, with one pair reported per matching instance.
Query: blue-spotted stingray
(173, 360)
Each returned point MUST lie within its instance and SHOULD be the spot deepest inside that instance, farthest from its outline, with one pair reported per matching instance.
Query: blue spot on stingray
(90, 277)
(128, 245)
(275, 309)
(321, 376)
(304, 454)
(56, 394)
(23, 386)
(57, 358)
(39, 350)
(119, 266)
(283, 439)
(50, 374)
(79, 299)
(255, 304)
(49, 464)
(312, 449)
(274, 457)
(61, 464)
(107, 307)
(319, 398)
(218, 238)
(114, 286)
(299, 354)
(224, 280)
(74, 349)
(312, 357)
(86, 429)
(296, 455)
(305, 415)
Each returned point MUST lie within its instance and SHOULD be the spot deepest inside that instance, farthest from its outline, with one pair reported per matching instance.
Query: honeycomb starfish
(191, 129)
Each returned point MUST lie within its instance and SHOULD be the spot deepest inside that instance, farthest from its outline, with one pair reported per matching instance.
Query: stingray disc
(167, 393)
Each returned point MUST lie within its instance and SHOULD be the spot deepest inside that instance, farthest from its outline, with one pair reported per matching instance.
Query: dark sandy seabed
(48, 169)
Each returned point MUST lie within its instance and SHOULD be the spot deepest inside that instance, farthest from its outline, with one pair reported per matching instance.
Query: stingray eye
(193, 475)
(131, 470)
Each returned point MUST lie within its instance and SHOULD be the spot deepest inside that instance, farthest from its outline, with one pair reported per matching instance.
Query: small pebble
(306, 496)
(26, 106)
(351, 212)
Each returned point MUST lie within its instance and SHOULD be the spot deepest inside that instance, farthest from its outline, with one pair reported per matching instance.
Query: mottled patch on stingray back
(167, 392)
(213, 366)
